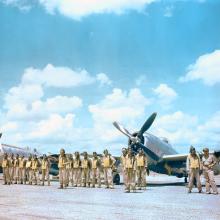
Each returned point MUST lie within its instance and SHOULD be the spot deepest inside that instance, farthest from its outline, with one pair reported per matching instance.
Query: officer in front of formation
(62, 168)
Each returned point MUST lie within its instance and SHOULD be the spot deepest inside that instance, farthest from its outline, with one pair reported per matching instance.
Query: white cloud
(52, 76)
(118, 106)
(103, 79)
(183, 130)
(165, 94)
(53, 126)
(206, 68)
(77, 9)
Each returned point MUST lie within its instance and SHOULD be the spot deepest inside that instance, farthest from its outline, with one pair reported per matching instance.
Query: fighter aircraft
(162, 158)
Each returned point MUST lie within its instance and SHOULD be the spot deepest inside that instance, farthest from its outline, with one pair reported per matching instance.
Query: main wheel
(116, 179)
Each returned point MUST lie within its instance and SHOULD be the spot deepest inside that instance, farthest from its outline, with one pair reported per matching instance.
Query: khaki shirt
(193, 162)
(208, 161)
(108, 161)
(76, 163)
(141, 161)
(5, 163)
(62, 161)
(130, 163)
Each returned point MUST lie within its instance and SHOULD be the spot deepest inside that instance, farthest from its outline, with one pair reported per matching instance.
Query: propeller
(136, 139)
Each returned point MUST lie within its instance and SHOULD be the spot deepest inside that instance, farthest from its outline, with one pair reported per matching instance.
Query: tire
(116, 179)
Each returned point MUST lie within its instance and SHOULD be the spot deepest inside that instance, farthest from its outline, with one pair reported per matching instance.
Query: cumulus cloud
(119, 106)
(77, 9)
(206, 68)
(183, 129)
(103, 79)
(165, 94)
(141, 80)
(52, 76)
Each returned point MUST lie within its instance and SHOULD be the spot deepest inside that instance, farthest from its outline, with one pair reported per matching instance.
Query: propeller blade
(122, 129)
(147, 124)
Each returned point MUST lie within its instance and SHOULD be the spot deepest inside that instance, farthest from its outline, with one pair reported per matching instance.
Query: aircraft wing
(175, 157)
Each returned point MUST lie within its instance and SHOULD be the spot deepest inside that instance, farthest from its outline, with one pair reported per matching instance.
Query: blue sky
(68, 70)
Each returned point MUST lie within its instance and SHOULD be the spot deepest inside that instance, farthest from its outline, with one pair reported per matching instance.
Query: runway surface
(157, 202)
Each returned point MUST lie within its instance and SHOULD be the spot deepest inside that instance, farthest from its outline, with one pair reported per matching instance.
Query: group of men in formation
(86, 172)
(77, 170)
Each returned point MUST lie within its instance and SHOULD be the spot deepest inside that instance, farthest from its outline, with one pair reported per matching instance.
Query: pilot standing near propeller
(108, 162)
(141, 163)
(69, 166)
(130, 166)
(123, 160)
(29, 170)
(208, 162)
(35, 170)
(193, 167)
(22, 170)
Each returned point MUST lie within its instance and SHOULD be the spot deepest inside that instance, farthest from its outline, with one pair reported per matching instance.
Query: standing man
(208, 162)
(108, 162)
(69, 169)
(29, 170)
(62, 168)
(11, 168)
(5, 167)
(123, 160)
(77, 170)
(35, 170)
(193, 168)
(130, 171)
(45, 170)
(141, 167)
(96, 170)
(86, 166)
(16, 169)
(22, 169)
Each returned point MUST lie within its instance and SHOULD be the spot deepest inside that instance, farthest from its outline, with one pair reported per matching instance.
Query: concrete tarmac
(21, 202)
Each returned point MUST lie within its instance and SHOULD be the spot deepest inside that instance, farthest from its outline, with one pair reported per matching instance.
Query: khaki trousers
(194, 174)
(6, 175)
(210, 181)
(16, 174)
(22, 175)
(96, 177)
(46, 174)
(108, 177)
(85, 176)
(77, 176)
(62, 176)
(130, 178)
(141, 176)
(69, 176)
(35, 176)
(125, 178)
(11, 174)
(29, 175)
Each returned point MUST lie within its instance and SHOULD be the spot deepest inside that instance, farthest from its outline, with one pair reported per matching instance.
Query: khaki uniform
(11, 169)
(141, 165)
(16, 170)
(62, 170)
(29, 171)
(5, 167)
(96, 172)
(209, 173)
(130, 172)
(193, 166)
(86, 165)
(124, 174)
(45, 169)
(108, 163)
(69, 171)
(22, 170)
(77, 172)
(35, 171)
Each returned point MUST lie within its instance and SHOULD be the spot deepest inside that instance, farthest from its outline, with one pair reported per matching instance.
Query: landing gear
(185, 179)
